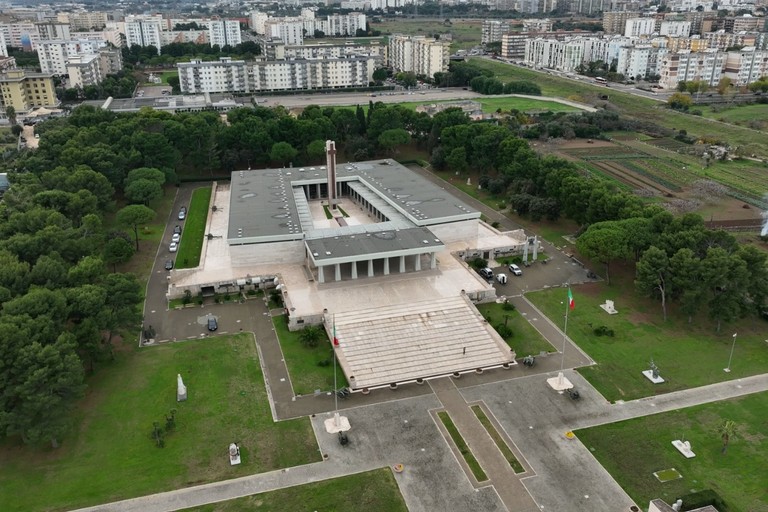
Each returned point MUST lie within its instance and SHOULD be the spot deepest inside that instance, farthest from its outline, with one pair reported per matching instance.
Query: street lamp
(733, 345)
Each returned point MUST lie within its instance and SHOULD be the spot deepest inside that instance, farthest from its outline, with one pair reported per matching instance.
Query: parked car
(486, 273)
(169, 265)
(177, 229)
(173, 247)
(183, 213)
(501, 278)
(175, 237)
(212, 323)
(515, 269)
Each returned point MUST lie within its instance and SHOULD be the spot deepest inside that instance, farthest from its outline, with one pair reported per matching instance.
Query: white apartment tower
(144, 31)
(224, 32)
(224, 75)
(419, 54)
(639, 27)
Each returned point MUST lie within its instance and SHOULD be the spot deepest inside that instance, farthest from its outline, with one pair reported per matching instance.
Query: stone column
(386, 266)
(525, 251)
(354, 270)
(320, 274)
(417, 262)
(317, 188)
(535, 247)
(370, 268)
(402, 264)
(432, 260)
(338, 271)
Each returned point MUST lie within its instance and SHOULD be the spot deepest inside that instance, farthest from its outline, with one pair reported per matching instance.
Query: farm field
(656, 165)
(466, 33)
(633, 106)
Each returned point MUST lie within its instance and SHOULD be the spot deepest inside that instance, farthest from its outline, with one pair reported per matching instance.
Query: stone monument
(608, 307)
(652, 374)
(181, 389)
(234, 454)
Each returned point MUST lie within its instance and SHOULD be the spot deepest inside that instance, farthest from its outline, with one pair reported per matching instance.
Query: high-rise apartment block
(144, 31)
(224, 32)
(419, 54)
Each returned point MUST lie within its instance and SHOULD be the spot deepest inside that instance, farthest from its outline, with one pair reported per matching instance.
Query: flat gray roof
(400, 242)
(268, 205)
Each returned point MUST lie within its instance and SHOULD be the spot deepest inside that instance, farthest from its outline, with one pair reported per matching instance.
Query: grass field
(302, 362)
(632, 450)
(492, 104)
(752, 116)
(373, 490)
(191, 244)
(525, 339)
(631, 105)
(688, 355)
(112, 455)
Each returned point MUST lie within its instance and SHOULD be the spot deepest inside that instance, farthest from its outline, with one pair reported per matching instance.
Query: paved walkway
(501, 475)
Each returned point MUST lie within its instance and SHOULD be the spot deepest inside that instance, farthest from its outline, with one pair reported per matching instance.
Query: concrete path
(507, 484)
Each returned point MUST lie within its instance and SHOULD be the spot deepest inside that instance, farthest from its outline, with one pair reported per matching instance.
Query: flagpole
(565, 331)
(335, 391)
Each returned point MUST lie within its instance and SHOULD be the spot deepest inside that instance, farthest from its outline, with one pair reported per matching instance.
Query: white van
(501, 278)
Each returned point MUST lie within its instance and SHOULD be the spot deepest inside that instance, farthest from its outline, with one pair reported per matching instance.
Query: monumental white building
(224, 32)
(144, 31)
(419, 54)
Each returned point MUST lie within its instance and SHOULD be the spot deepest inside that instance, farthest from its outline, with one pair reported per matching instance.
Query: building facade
(419, 54)
(493, 30)
(144, 31)
(224, 32)
(24, 91)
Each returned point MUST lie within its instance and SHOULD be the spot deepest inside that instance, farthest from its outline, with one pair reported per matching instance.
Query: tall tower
(330, 155)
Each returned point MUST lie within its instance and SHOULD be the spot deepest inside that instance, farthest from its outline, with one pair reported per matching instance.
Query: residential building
(111, 60)
(84, 20)
(277, 50)
(614, 22)
(723, 40)
(538, 25)
(686, 66)
(3, 46)
(513, 43)
(184, 36)
(224, 75)
(746, 65)
(21, 34)
(675, 28)
(745, 23)
(54, 55)
(560, 55)
(48, 31)
(290, 32)
(493, 30)
(639, 27)
(144, 31)
(84, 70)
(24, 91)
(637, 62)
(419, 54)
(224, 32)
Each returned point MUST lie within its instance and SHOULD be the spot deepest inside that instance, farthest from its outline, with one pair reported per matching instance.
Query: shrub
(701, 499)
(187, 297)
(508, 306)
(478, 263)
(324, 362)
(504, 331)
(603, 331)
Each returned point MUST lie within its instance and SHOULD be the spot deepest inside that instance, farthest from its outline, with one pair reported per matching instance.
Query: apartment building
(419, 54)
(231, 76)
(686, 66)
(635, 27)
(693, 43)
(224, 32)
(83, 20)
(675, 28)
(745, 23)
(224, 75)
(184, 36)
(552, 54)
(493, 30)
(144, 31)
(24, 91)
(341, 24)
(21, 34)
(332, 25)
(614, 22)
(746, 65)
(48, 31)
(289, 32)
(84, 70)
(538, 25)
(513, 44)
(3, 46)
(277, 50)
(54, 55)
(637, 62)
(723, 40)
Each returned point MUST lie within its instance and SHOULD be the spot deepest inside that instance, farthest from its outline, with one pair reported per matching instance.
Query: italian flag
(571, 303)
(335, 339)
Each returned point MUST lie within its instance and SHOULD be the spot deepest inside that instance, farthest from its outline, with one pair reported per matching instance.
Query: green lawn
(688, 355)
(165, 75)
(491, 104)
(303, 362)
(632, 450)
(458, 440)
(112, 456)
(633, 106)
(525, 338)
(374, 490)
(191, 244)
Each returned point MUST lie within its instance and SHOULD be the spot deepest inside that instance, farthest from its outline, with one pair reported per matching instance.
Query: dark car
(177, 230)
(169, 265)
(212, 323)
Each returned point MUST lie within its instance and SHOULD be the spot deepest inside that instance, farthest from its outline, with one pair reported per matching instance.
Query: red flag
(335, 339)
